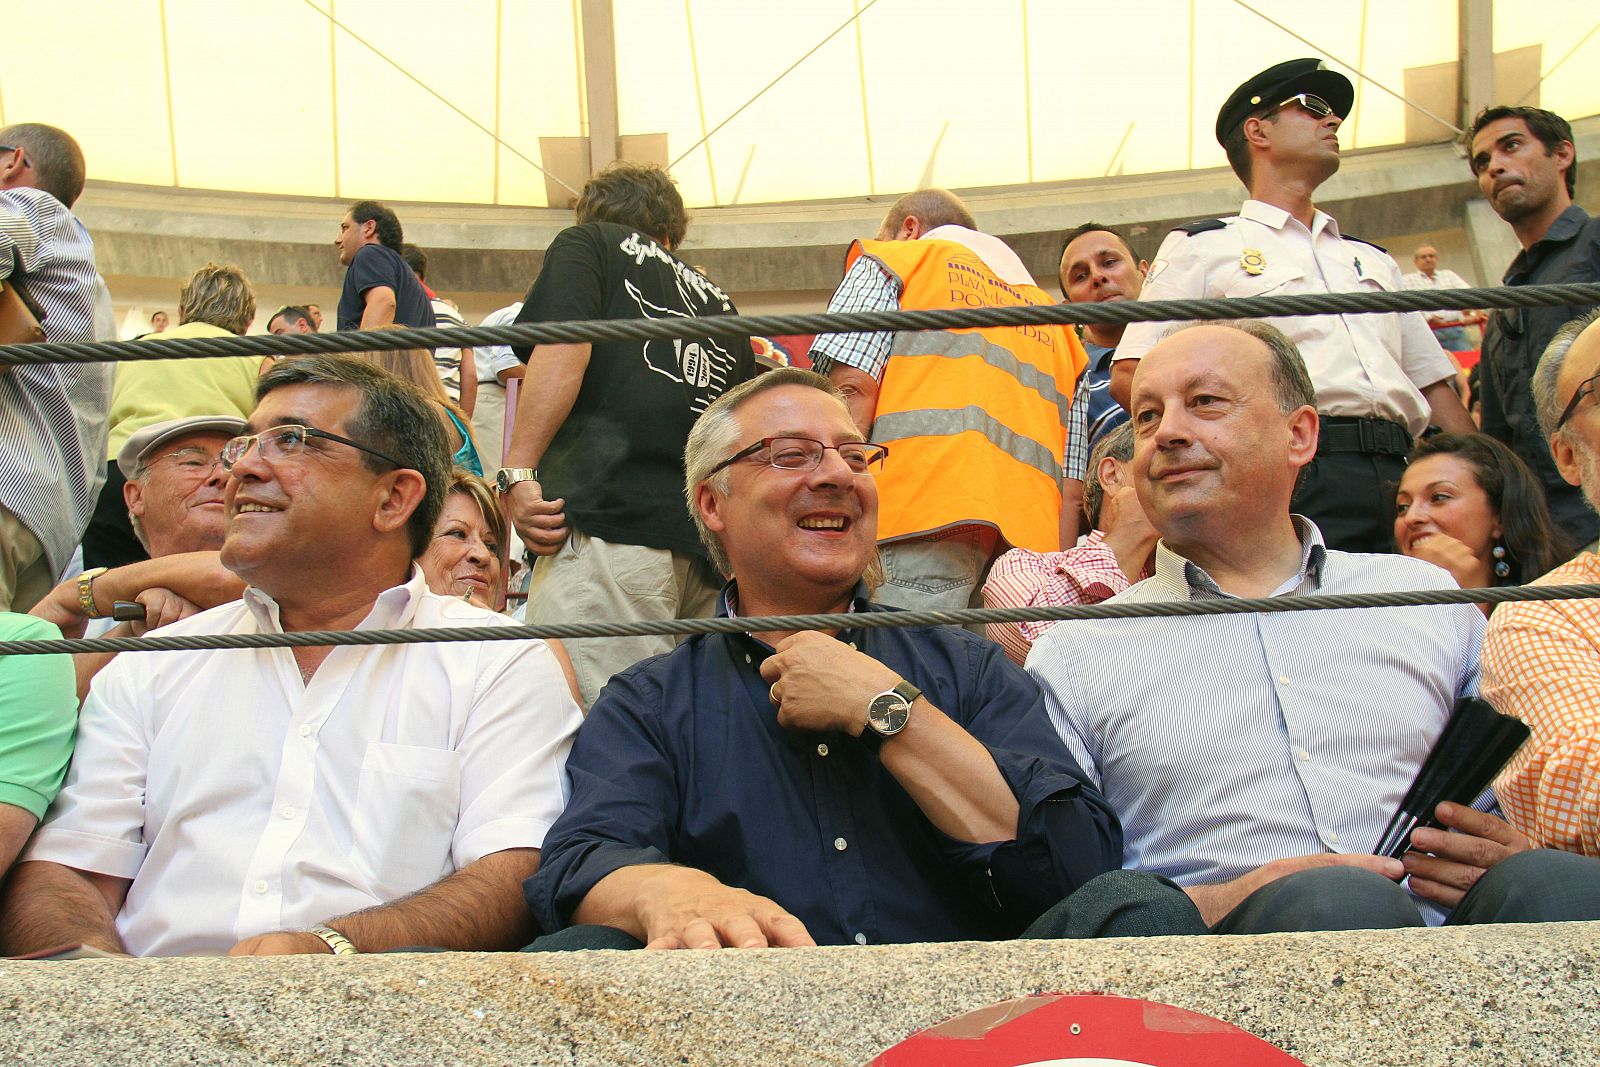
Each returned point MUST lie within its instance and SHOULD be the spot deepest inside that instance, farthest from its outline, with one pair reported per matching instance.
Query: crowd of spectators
(852, 784)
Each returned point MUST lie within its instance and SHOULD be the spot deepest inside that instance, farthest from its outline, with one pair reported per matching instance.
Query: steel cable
(680, 328)
(782, 623)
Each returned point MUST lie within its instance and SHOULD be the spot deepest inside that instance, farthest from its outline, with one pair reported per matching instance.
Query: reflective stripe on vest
(956, 345)
(975, 419)
(943, 422)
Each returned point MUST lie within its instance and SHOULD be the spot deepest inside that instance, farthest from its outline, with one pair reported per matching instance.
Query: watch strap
(506, 477)
(339, 944)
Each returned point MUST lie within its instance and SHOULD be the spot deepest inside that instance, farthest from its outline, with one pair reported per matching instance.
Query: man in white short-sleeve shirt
(274, 801)
(1381, 380)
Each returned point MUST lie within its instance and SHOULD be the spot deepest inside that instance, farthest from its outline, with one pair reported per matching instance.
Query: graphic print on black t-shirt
(696, 364)
(617, 459)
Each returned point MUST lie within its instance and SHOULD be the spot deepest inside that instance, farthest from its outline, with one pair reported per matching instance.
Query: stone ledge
(1485, 995)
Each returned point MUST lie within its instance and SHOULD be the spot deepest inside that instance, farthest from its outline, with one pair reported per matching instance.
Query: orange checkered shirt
(1541, 663)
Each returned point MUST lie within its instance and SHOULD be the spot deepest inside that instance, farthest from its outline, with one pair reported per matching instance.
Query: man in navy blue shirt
(379, 289)
(862, 785)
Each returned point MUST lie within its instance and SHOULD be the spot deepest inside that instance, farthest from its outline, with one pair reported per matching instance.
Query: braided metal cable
(677, 327)
(784, 623)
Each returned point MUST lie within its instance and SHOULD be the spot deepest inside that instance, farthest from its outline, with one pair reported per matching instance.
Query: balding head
(1224, 418)
(1426, 258)
(916, 213)
(45, 158)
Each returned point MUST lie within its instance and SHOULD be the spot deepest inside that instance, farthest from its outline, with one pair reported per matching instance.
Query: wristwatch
(337, 943)
(888, 713)
(506, 477)
(86, 591)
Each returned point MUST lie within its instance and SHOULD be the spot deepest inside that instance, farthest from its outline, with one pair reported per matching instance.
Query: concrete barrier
(1485, 995)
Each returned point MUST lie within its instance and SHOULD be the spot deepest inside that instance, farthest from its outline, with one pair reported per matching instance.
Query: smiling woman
(466, 557)
(1468, 504)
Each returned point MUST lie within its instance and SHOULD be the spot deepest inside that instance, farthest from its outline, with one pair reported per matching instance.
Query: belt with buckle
(1381, 437)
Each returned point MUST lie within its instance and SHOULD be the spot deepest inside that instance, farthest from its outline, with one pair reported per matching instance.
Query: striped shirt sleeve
(1075, 463)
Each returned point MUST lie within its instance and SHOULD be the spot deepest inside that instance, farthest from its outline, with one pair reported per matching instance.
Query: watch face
(888, 713)
(502, 481)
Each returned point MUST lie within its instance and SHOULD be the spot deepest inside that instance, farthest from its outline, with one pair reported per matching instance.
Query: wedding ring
(772, 694)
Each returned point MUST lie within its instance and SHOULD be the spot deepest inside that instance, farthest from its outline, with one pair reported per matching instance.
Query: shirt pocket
(1274, 281)
(406, 810)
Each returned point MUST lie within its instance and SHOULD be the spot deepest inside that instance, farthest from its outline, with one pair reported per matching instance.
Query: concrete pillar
(1493, 244)
(600, 82)
(1475, 26)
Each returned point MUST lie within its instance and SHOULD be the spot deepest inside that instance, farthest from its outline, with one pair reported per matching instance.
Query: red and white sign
(1085, 1030)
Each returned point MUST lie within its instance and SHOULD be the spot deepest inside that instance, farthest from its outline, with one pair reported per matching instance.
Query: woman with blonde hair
(467, 555)
(416, 366)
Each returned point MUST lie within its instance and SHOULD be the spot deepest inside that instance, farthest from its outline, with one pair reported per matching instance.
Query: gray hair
(1289, 375)
(1546, 399)
(394, 418)
(1117, 445)
(935, 207)
(715, 436)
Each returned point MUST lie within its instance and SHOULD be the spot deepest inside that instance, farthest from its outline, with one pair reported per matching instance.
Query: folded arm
(477, 909)
(47, 905)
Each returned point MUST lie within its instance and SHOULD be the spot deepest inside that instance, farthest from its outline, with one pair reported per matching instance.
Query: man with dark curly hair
(593, 477)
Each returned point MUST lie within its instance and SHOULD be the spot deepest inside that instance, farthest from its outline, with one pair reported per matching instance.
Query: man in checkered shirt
(1541, 662)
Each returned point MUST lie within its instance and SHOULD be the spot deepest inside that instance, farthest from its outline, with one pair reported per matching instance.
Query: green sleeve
(38, 717)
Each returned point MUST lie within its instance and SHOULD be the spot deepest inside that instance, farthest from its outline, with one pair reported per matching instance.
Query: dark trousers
(1350, 496)
(1116, 904)
(110, 541)
(1538, 886)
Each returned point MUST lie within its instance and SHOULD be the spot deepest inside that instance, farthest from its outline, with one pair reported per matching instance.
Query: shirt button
(822, 750)
(260, 887)
(861, 939)
(305, 731)
(288, 813)
(1333, 839)
(1305, 757)
(852, 644)
(1283, 679)
(747, 657)
(840, 844)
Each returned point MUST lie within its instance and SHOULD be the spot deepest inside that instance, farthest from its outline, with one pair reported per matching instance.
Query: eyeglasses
(804, 454)
(286, 442)
(1585, 388)
(193, 461)
(1309, 102)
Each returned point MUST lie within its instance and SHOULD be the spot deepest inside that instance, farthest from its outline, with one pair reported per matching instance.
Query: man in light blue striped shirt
(1255, 759)
(53, 416)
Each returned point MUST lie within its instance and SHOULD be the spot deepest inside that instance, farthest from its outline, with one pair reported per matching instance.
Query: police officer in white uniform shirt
(1380, 379)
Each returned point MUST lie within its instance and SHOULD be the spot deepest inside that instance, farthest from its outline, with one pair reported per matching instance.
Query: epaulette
(1192, 228)
(1364, 241)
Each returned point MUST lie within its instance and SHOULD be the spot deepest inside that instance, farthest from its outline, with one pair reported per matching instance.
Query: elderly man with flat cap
(173, 492)
(1380, 379)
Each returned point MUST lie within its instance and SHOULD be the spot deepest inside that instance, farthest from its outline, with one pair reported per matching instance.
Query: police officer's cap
(1278, 83)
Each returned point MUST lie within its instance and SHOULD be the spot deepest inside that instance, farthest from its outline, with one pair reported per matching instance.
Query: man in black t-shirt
(379, 288)
(605, 424)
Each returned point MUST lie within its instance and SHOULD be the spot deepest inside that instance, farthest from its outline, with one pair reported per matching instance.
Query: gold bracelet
(338, 943)
(86, 591)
